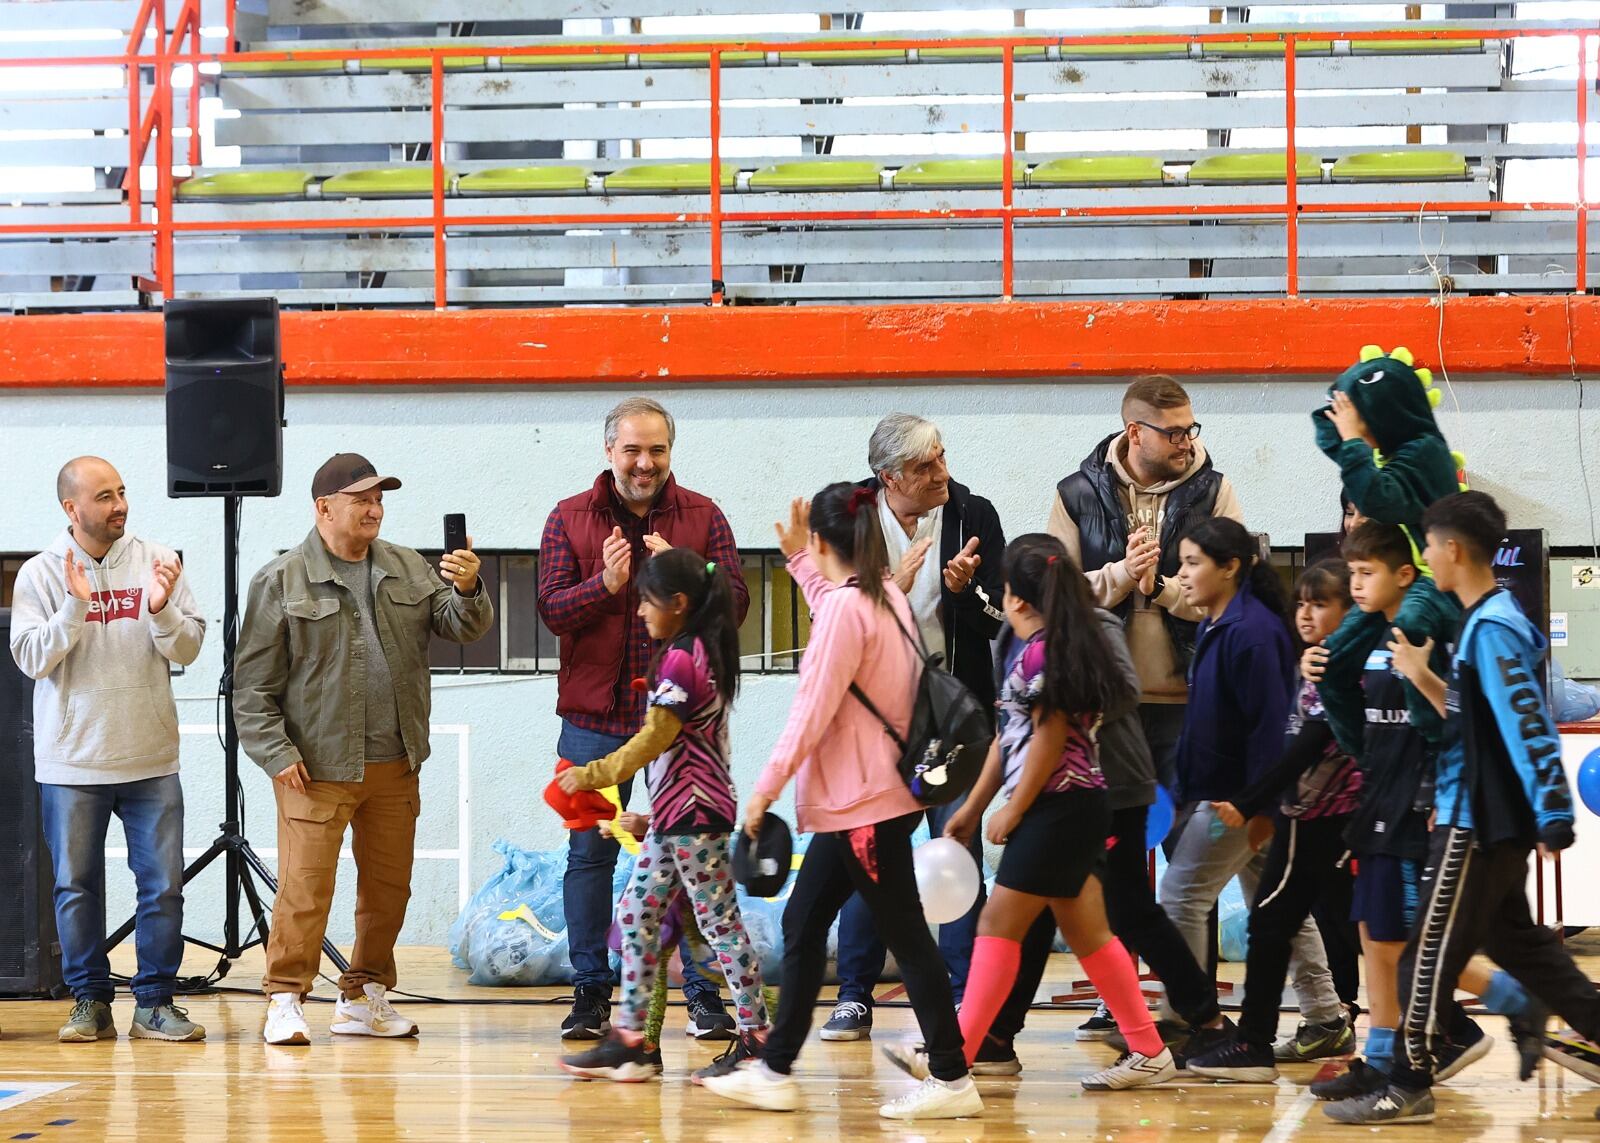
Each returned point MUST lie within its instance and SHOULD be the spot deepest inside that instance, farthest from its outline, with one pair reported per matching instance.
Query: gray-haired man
(946, 544)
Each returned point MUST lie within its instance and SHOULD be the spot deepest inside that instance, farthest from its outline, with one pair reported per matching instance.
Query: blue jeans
(586, 885)
(861, 953)
(76, 819)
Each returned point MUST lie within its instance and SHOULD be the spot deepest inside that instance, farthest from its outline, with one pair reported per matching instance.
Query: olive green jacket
(299, 678)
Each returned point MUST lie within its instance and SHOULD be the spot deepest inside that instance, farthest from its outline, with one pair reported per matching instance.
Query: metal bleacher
(859, 163)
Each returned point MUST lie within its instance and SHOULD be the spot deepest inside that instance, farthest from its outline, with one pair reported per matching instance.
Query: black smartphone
(455, 531)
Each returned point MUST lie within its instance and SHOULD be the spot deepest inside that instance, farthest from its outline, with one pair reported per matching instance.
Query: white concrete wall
(505, 457)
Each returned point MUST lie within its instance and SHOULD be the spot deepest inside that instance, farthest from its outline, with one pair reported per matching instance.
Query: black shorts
(1385, 896)
(1058, 843)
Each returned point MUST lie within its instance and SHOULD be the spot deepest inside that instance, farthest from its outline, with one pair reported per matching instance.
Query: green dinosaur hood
(1392, 399)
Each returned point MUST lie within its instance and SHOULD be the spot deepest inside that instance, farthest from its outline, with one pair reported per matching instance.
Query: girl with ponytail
(1061, 677)
(849, 794)
(1241, 694)
(687, 606)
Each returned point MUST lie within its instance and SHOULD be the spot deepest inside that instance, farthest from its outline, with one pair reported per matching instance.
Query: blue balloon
(1158, 822)
(1589, 781)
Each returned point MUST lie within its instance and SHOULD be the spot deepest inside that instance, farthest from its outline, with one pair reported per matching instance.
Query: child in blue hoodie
(1500, 791)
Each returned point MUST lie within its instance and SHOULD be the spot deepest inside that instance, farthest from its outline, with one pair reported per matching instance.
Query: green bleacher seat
(819, 174)
(842, 55)
(244, 186)
(953, 174)
(670, 178)
(385, 182)
(966, 54)
(1099, 170)
(647, 60)
(565, 60)
(1224, 170)
(553, 179)
(1400, 166)
(425, 63)
(1252, 48)
(1418, 47)
(282, 67)
(1072, 51)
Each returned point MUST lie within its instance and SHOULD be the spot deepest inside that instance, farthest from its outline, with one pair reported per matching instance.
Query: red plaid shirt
(568, 603)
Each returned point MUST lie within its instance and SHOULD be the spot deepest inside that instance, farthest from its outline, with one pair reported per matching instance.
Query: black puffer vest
(1092, 496)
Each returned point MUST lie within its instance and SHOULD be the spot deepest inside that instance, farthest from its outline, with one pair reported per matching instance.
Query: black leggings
(830, 873)
(1138, 921)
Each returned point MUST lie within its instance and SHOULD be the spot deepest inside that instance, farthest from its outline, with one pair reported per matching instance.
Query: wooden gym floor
(488, 1072)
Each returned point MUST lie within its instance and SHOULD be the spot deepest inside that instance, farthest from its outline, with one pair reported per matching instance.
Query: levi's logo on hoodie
(109, 606)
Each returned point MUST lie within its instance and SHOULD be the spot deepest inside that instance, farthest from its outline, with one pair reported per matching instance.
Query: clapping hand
(1143, 556)
(617, 554)
(655, 544)
(906, 574)
(163, 578)
(963, 568)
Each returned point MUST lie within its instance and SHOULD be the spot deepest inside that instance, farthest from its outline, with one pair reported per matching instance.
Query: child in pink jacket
(849, 791)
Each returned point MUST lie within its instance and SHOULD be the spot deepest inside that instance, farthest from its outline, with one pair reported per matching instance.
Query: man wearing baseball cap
(331, 694)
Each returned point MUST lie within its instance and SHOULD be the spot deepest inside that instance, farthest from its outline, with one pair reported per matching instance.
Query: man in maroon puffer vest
(592, 544)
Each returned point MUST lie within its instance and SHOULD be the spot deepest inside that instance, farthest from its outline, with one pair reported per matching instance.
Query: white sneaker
(1133, 1070)
(372, 1016)
(756, 1085)
(937, 1099)
(286, 1020)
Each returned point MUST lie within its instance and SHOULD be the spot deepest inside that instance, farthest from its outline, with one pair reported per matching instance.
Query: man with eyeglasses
(1121, 516)
(332, 696)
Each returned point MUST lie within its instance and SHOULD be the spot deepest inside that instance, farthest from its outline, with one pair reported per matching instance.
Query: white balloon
(947, 879)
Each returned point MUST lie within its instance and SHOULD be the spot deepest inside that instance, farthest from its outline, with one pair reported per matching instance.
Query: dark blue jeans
(76, 819)
(586, 886)
(861, 953)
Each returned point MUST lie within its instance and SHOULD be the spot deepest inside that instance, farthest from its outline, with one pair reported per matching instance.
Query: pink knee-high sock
(989, 980)
(1111, 972)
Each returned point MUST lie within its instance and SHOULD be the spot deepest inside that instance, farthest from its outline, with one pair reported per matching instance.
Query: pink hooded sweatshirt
(845, 765)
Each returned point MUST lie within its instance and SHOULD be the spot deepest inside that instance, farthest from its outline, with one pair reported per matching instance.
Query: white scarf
(924, 595)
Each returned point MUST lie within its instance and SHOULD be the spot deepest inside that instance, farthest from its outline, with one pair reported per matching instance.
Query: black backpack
(950, 734)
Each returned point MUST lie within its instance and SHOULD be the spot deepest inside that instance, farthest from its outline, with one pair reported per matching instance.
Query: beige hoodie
(1160, 678)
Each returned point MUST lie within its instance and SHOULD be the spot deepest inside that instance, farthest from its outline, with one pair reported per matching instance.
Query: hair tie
(711, 568)
(859, 497)
(1050, 560)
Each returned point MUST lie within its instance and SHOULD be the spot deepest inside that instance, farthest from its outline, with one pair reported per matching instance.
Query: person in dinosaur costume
(1379, 428)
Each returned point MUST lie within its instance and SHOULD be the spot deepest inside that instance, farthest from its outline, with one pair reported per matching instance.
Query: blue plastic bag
(514, 929)
(1571, 702)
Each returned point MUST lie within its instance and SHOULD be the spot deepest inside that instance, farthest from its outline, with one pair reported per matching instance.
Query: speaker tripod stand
(244, 872)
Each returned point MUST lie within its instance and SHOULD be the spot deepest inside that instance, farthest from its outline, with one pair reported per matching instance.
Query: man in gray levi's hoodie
(97, 620)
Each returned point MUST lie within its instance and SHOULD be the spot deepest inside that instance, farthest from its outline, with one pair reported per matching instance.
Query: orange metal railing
(155, 122)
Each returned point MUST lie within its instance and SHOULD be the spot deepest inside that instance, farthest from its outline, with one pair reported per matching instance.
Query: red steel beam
(1526, 336)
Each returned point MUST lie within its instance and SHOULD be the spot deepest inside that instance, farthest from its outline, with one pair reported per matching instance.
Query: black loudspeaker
(30, 958)
(224, 398)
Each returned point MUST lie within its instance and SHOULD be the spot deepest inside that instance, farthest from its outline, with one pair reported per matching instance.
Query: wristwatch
(1161, 585)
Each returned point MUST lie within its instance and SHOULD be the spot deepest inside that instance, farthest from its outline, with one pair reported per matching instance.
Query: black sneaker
(1360, 1078)
(1527, 1032)
(851, 1020)
(1174, 1034)
(615, 1059)
(590, 1018)
(1456, 1058)
(1317, 1042)
(1098, 1026)
(1203, 1040)
(1572, 1051)
(745, 1046)
(708, 1019)
(1236, 1062)
(996, 1058)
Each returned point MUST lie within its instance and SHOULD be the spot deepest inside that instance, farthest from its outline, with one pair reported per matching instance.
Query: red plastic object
(583, 810)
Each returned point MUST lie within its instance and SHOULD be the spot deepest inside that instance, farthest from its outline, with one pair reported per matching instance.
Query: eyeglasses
(1174, 436)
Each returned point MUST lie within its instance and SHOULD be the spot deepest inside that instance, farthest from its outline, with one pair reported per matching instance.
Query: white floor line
(1287, 1127)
